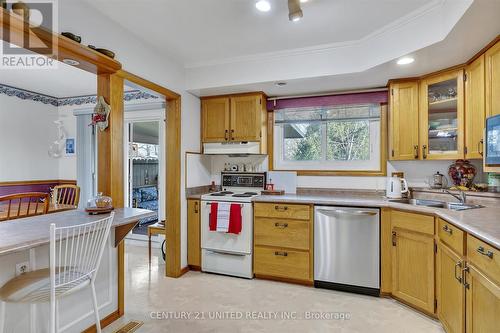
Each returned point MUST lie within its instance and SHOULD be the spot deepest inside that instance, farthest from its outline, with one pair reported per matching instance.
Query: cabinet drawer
(282, 233)
(484, 256)
(282, 210)
(452, 236)
(281, 263)
(413, 222)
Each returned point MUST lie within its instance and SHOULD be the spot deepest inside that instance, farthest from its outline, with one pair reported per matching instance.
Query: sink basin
(437, 204)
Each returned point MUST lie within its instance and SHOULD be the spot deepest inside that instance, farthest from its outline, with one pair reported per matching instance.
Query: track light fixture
(294, 10)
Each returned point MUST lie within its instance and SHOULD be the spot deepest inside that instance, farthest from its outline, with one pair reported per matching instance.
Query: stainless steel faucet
(461, 196)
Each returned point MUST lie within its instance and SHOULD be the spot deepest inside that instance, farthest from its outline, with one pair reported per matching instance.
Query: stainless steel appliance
(226, 253)
(347, 249)
(492, 144)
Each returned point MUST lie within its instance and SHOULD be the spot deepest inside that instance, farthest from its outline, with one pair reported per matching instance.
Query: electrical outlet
(22, 267)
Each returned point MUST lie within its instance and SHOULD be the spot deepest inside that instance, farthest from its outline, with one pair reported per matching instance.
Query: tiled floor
(151, 297)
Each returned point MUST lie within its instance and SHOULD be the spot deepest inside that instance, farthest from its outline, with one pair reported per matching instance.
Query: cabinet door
(482, 302)
(215, 121)
(413, 268)
(492, 59)
(404, 121)
(475, 108)
(450, 291)
(194, 255)
(442, 116)
(246, 114)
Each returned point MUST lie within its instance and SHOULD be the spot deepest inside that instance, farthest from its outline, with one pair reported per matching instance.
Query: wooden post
(110, 171)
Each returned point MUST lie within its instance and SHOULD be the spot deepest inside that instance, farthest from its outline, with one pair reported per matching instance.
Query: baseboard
(287, 280)
(184, 271)
(106, 321)
(194, 268)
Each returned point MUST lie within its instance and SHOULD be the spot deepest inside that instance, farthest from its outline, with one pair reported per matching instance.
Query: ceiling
(200, 31)
(146, 132)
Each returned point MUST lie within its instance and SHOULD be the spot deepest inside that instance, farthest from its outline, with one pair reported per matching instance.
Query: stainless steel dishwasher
(347, 249)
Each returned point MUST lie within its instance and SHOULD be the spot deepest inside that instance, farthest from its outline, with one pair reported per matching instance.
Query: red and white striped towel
(225, 217)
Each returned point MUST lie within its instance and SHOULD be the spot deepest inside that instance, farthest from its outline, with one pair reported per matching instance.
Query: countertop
(25, 233)
(483, 223)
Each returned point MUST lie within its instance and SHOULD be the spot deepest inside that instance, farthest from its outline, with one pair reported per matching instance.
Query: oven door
(225, 242)
(492, 137)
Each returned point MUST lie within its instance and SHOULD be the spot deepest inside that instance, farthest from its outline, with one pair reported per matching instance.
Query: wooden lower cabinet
(413, 260)
(193, 228)
(283, 243)
(483, 302)
(450, 291)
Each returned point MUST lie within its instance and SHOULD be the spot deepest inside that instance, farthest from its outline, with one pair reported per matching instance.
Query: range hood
(246, 148)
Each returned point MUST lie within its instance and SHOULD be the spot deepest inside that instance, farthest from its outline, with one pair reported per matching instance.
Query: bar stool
(75, 254)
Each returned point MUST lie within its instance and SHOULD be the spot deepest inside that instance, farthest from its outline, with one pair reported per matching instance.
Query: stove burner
(244, 195)
(221, 194)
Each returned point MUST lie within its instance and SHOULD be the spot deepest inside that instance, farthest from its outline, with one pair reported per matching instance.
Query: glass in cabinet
(442, 133)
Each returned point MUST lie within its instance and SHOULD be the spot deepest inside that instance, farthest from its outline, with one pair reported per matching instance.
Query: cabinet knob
(281, 208)
(281, 225)
(424, 151)
(281, 253)
(480, 147)
(458, 265)
(225, 135)
(447, 229)
(416, 151)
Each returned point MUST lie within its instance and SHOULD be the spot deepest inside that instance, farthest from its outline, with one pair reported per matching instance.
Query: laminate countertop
(483, 223)
(25, 233)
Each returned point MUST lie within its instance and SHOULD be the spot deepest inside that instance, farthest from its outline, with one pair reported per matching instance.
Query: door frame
(173, 170)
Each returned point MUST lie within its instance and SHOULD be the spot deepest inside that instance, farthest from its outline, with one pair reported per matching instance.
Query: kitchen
(313, 166)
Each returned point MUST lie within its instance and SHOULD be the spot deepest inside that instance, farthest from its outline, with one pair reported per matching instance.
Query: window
(336, 138)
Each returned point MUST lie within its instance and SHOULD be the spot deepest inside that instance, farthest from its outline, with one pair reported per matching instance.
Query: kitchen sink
(437, 204)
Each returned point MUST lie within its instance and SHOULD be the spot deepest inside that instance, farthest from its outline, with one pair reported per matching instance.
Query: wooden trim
(484, 49)
(106, 321)
(37, 182)
(282, 279)
(169, 94)
(89, 59)
(122, 231)
(184, 270)
(173, 181)
(121, 278)
(385, 251)
(355, 173)
(251, 93)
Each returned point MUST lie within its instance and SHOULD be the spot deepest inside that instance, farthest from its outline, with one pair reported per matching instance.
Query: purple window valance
(329, 100)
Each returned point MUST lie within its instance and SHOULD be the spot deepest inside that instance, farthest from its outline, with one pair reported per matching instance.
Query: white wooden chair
(74, 258)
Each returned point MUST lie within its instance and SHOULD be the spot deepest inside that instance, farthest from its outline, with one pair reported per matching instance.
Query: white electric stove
(226, 253)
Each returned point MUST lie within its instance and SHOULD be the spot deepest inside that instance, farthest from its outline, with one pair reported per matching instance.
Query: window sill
(345, 173)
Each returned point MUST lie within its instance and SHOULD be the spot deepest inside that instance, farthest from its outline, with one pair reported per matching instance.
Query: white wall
(26, 131)
(67, 164)
(144, 60)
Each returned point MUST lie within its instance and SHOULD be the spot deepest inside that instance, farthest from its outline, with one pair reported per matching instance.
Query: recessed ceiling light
(263, 5)
(71, 62)
(304, 1)
(280, 84)
(405, 61)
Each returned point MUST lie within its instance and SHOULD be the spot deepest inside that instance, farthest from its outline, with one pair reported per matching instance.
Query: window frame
(382, 170)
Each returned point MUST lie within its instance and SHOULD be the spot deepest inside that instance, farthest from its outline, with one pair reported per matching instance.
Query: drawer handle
(281, 225)
(447, 229)
(488, 253)
(281, 253)
(281, 208)
(458, 265)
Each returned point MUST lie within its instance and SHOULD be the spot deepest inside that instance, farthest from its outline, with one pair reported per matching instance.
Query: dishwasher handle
(334, 212)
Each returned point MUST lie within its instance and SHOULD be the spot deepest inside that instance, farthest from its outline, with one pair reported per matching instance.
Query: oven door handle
(210, 203)
(235, 254)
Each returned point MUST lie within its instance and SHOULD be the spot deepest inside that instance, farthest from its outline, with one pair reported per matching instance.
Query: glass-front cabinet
(442, 116)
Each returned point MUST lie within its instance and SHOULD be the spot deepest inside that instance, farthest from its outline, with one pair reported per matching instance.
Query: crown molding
(325, 48)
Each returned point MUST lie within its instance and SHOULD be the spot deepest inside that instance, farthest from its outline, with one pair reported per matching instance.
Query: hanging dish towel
(225, 217)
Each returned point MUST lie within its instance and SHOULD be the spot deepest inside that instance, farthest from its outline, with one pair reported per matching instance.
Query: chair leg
(2, 316)
(96, 309)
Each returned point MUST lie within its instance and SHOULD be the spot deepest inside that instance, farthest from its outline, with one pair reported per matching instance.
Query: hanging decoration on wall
(100, 117)
(57, 147)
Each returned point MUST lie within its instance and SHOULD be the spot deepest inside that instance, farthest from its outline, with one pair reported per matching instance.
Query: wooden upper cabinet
(245, 118)
(475, 108)
(403, 136)
(442, 133)
(215, 119)
(492, 62)
(450, 292)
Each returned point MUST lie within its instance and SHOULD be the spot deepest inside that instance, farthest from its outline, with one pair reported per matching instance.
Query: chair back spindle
(67, 194)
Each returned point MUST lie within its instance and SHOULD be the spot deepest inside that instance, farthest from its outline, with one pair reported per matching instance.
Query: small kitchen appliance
(396, 187)
(226, 253)
(492, 144)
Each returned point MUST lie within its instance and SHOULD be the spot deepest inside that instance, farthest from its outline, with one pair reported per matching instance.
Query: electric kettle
(396, 187)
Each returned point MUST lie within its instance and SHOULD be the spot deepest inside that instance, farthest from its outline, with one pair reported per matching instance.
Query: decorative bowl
(72, 36)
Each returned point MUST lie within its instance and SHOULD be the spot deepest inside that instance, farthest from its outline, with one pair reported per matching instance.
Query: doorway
(145, 166)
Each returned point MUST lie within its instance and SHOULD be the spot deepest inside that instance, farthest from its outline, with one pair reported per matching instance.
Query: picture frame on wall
(70, 147)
